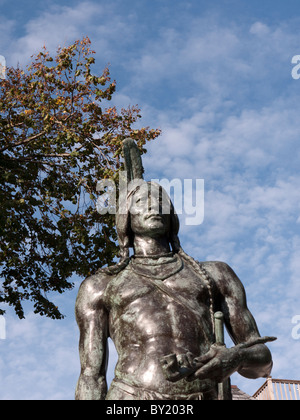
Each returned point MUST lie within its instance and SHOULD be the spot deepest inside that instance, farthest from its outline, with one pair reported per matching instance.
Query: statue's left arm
(251, 361)
(92, 319)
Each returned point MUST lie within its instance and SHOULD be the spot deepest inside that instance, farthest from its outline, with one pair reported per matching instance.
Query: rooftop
(237, 394)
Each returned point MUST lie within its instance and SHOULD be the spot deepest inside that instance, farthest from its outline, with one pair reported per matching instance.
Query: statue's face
(150, 211)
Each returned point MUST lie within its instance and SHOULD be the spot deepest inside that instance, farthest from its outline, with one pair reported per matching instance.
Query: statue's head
(149, 212)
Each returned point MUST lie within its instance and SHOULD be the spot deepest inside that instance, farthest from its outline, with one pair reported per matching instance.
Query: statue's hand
(186, 360)
(217, 364)
(178, 366)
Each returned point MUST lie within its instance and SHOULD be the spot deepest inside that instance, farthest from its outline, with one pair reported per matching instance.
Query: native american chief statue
(163, 310)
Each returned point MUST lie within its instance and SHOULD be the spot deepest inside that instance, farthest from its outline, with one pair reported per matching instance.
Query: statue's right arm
(92, 320)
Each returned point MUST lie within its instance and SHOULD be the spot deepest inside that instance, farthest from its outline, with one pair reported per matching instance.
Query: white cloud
(38, 359)
(61, 25)
(7, 27)
(260, 29)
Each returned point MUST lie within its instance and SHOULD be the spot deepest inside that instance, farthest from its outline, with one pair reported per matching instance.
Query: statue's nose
(154, 206)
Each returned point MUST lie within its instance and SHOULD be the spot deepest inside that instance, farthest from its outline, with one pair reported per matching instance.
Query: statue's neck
(146, 246)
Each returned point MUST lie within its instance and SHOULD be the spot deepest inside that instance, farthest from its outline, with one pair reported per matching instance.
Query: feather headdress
(132, 160)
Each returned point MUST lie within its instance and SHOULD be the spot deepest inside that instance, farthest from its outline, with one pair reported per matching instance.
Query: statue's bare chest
(134, 293)
(177, 308)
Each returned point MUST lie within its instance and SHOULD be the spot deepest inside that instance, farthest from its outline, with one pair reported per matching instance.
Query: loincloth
(120, 390)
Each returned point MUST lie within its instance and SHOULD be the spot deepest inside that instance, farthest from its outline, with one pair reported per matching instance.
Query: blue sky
(216, 78)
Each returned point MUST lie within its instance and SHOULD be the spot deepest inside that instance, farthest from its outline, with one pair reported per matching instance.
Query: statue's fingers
(190, 357)
(206, 357)
(207, 371)
(181, 359)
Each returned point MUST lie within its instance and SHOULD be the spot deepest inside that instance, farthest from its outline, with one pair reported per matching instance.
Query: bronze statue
(158, 306)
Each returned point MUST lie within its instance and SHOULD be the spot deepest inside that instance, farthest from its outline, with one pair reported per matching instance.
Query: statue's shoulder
(96, 282)
(213, 269)
(92, 290)
(223, 276)
(216, 268)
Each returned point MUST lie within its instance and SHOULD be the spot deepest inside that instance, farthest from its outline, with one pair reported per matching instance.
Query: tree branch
(30, 159)
(21, 142)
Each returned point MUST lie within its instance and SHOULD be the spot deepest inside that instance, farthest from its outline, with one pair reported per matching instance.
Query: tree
(58, 137)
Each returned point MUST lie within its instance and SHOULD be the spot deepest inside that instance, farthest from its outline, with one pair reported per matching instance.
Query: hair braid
(199, 269)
